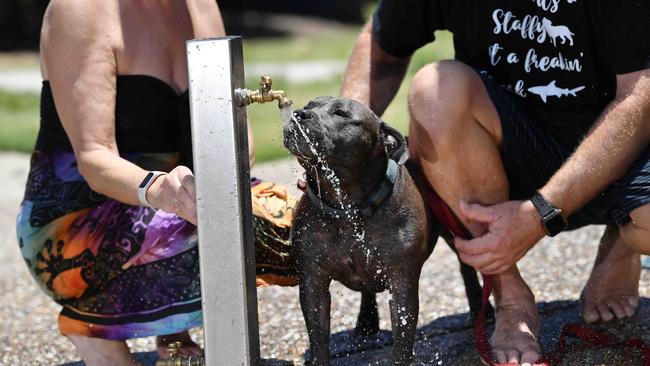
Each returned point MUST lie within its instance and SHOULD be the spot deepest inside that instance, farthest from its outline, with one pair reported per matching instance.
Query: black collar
(370, 205)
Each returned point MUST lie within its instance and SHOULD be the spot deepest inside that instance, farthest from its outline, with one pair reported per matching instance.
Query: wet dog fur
(368, 254)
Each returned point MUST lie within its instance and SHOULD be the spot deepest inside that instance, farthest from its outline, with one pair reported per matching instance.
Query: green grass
(441, 49)
(19, 111)
(18, 121)
(267, 122)
(336, 44)
(19, 118)
(267, 130)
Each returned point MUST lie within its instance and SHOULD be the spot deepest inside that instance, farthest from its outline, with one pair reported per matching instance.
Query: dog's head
(342, 133)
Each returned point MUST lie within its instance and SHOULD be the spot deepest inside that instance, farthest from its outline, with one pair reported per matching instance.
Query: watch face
(146, 180)
(554, 223)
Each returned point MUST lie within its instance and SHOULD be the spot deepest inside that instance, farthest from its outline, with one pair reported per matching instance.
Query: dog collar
(370, 205)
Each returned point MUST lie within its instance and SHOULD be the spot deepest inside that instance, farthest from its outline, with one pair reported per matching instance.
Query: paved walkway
(29, 80)
(21, 80)
(556, 270)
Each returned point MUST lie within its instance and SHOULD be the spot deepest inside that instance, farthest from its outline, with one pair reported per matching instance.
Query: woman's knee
(637, 233)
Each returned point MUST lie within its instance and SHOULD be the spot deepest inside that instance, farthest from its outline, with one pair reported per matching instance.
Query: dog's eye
(341, 113)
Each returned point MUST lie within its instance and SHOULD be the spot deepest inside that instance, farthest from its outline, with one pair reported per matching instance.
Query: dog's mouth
(303, 142)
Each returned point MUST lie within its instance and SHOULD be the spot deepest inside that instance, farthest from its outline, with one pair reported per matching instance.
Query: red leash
(449, 220)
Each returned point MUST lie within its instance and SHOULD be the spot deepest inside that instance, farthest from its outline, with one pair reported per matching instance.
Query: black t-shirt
(559, 56)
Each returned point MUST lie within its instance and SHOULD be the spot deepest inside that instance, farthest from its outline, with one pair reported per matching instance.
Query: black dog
(362, 222)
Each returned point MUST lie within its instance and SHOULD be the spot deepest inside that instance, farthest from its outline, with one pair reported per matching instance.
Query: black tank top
(150, 117)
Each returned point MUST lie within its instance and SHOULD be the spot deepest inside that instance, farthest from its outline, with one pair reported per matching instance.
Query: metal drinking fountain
(222, 174)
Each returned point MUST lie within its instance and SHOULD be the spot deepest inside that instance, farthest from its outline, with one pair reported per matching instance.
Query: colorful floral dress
(123, 271)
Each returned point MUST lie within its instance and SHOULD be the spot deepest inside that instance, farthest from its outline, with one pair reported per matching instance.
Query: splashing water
(328, 173)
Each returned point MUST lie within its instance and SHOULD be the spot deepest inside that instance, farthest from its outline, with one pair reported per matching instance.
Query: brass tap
(264, 94)
(176, 359)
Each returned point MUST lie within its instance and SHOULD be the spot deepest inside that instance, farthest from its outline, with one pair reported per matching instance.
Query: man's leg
(636, 234)
(455, 134)
(613, 287)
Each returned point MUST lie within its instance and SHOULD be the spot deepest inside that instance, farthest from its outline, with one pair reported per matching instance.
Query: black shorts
(531, 154)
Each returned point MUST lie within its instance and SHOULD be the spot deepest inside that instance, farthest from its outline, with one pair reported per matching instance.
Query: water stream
(328, 173)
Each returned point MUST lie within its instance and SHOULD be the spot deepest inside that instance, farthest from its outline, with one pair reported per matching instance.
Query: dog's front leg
(404, 308)
(315, 303)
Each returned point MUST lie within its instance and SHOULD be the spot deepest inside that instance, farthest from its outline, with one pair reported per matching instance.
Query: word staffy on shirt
(361, 222)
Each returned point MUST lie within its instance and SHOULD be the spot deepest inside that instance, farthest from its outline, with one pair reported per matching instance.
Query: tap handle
(266, 82)
(174, 349)
(176, 359)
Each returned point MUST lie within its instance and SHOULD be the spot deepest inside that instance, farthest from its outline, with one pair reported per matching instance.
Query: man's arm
(619, 136)
(373, 76)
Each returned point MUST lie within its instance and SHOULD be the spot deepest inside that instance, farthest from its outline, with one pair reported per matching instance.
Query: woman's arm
(78, 46)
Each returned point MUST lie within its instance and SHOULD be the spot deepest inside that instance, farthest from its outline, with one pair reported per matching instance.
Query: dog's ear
(394, 143)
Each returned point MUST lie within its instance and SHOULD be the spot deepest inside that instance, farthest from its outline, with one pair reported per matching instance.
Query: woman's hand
(175, 193)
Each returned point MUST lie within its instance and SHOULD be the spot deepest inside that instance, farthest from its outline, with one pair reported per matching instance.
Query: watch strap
(542, 205)
(144, 186)
(552, 220)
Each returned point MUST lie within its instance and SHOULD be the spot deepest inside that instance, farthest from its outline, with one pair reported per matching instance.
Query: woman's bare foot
(103, 352)
(189, 348)
(517, 321)
(613, 287)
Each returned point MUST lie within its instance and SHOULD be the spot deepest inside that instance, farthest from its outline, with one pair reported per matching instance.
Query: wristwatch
(552, 220)
(144, 186)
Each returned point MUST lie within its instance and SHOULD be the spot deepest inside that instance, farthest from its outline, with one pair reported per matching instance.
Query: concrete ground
(556, 271)
(29, 79)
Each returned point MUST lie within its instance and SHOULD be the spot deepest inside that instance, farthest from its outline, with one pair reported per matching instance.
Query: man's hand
(513, 228)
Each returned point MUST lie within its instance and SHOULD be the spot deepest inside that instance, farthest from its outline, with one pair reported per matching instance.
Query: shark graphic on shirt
(551, 90)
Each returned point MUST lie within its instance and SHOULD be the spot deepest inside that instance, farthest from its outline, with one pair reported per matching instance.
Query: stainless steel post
(221, 168)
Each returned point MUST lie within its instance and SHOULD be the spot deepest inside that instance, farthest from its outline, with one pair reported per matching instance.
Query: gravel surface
(556, 270)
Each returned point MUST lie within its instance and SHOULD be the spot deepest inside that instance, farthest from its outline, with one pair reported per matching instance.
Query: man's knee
(637, 233)
(439, 102)
(447, 100)
(444, 88)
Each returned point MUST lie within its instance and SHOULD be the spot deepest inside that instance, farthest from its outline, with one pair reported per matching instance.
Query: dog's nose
(304, 114)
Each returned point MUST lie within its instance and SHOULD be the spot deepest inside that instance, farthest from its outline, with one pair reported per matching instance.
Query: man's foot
(613, 287)
(189, 348)
(103, 352)
(517, 321)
